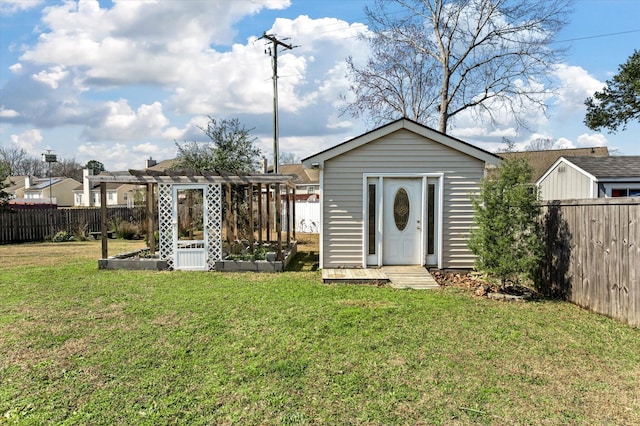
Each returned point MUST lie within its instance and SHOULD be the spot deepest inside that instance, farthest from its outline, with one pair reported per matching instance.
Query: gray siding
(565, 182)
(398, 152)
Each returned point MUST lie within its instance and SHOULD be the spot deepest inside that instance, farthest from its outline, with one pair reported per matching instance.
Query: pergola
(216, 186)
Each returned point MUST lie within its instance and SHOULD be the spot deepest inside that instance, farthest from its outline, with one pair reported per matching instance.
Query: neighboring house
(540, 161)
(34, 190)
(308, 188)
(591, 177)
(118, 194)
(400, 194)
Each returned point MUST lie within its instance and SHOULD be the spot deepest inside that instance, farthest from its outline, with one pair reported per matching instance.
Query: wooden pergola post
(260, 218)
(105, 220)
(278, 215)
(293, 210)
(250, 195)
(268, 223)
(288, 201)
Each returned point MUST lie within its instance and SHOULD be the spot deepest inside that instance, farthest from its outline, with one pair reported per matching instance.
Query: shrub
(127, 230)
(61, 237)
(507, 240)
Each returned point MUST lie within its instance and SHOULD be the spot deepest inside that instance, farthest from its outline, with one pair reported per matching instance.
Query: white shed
(398, 195)
(591, 177)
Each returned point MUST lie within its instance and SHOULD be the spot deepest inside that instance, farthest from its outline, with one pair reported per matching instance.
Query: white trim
(425, 132)
(439, 199)
(321, 194)
(439, 228)
(568, 163)
(205, 226)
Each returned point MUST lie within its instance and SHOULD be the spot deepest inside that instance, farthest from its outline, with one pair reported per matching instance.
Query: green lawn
(83, 346)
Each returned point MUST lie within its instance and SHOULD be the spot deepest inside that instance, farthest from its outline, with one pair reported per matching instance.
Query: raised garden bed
(269, 264)
(139, 260)
(134, 261)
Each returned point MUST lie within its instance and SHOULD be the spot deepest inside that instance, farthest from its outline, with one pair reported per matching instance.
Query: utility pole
(273, 52)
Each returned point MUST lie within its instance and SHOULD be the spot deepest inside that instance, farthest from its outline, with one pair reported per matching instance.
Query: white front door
(190, 226)
(402, 233)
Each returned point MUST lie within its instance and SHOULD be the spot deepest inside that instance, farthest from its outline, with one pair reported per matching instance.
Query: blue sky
(120, 82)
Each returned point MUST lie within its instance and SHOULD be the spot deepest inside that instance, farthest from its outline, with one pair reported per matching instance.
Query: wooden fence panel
(37, 225)
(593, 255)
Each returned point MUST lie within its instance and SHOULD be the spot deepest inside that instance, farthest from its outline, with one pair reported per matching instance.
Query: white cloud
(596, 139)
(119, 156)
(12, 6)
(190, 129)
(564, 143)
(52, 77)
(29, 141)
(16, 68)
(576, 85)
(123, 123)
(8, 113)
(132, 42)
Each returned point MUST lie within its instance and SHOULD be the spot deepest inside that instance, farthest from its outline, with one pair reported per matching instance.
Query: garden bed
(235, 263)
(137, 260)
(140, 260)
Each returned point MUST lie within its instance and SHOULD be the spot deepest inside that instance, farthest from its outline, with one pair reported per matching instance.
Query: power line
(596, 36)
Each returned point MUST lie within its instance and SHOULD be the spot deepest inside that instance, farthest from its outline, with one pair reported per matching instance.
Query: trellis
(282, 186)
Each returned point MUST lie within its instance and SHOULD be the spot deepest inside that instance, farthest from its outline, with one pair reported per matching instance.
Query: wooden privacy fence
(593, 255)
(37, 225)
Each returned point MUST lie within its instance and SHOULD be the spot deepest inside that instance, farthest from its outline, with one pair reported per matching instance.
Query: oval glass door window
(401, 209)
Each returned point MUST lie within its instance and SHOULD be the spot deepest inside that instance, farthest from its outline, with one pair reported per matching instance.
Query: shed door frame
(377, 180)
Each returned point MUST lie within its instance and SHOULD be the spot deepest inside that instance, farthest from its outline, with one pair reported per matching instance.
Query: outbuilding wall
(565, 182)
(399, 152)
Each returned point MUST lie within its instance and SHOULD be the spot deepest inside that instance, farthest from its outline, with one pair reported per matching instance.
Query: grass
(84, 346)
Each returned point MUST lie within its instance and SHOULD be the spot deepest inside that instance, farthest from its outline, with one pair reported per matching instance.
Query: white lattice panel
(165, 219)
(214, 224)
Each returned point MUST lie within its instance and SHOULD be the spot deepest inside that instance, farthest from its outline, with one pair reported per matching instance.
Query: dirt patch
(481, 287)
(308, 242)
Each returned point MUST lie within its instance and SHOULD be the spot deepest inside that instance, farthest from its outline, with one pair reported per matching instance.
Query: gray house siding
(564, 182)
(398, 152)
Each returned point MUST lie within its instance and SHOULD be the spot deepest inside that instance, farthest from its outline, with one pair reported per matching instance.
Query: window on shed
(372, 219)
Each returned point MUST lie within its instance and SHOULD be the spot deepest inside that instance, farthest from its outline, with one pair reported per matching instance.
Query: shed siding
(398, 152)
(565, 184)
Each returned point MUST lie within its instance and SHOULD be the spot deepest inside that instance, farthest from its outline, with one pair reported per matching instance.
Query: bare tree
(541, 144)
(289, 158)
(14, 158)
(433, 59)
(509, 145)
(67, 168)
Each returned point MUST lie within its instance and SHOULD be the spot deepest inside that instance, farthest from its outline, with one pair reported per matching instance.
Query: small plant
(260, 253)
(81, 231)
(61, 237)
(127, 230)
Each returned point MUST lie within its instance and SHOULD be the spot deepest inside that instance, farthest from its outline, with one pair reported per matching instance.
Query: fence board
(601, 272)
(37, 225)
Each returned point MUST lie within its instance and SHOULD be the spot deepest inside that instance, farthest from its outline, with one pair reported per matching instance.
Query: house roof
(307, 176)
(163, 165)
(38, 184)
(403, 123)
(614, 167)
(14, 183)
(540, 161)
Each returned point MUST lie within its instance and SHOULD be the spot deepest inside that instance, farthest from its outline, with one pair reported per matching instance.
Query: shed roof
(614, 167)
(540, 161)
(412, 126)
